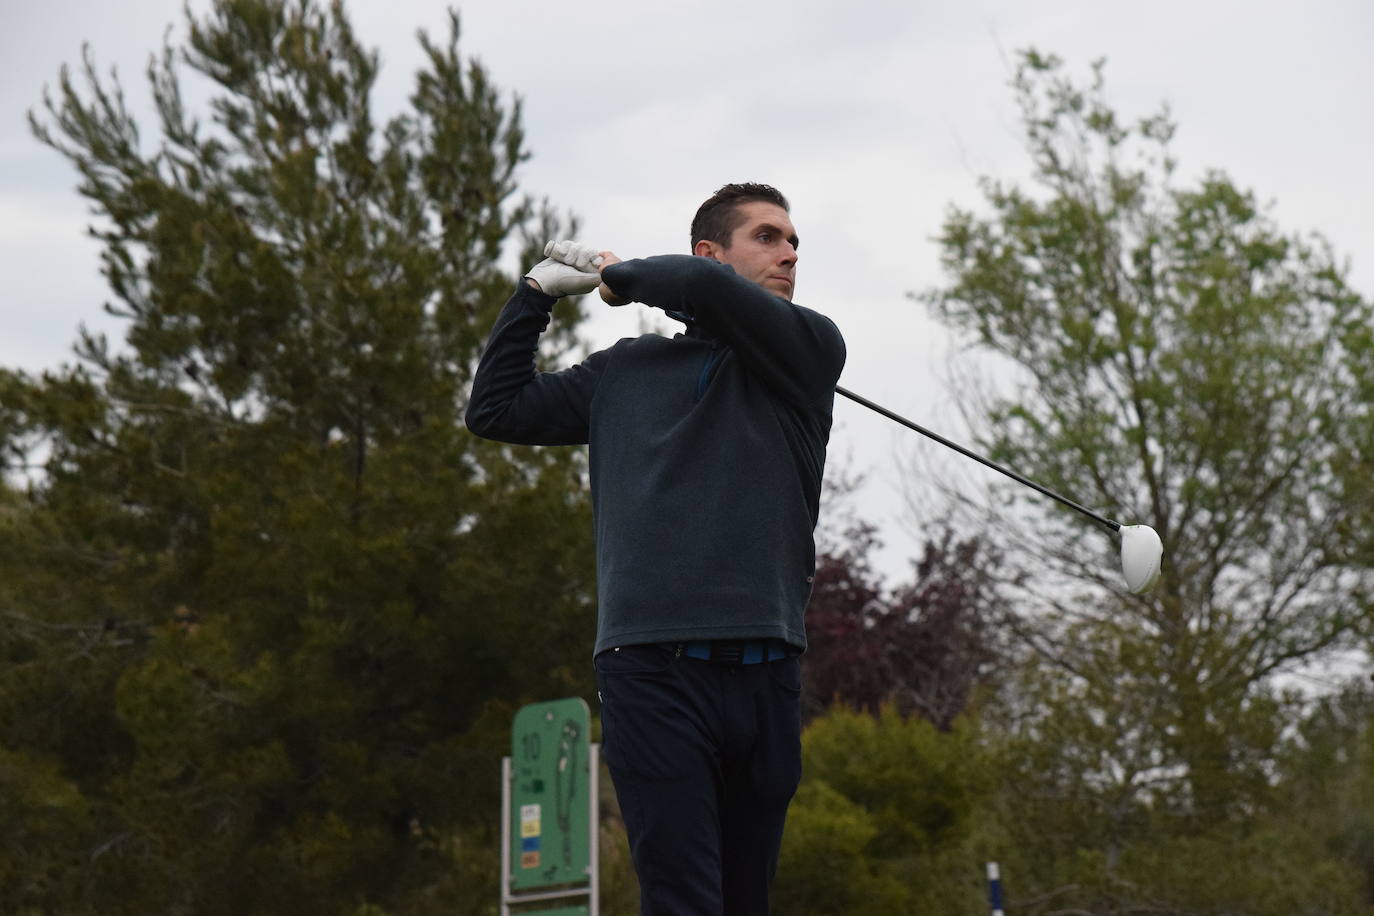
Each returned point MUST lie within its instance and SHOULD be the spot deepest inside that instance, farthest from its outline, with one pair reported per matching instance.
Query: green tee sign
(549, 793)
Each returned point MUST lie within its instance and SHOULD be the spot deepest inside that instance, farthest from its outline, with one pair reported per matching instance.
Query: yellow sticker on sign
(529, 820)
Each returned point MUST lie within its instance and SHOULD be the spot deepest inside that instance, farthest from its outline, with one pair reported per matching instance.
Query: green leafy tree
(267, 606)
(1085, 818)
(1179, 362)
(1183, 363)
(1355, 465)
(1326, 777)
(884, 820)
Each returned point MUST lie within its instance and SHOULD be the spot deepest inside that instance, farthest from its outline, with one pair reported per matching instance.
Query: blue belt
(734, 651)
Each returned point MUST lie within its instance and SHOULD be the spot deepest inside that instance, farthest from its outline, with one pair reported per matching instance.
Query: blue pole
(995, 889)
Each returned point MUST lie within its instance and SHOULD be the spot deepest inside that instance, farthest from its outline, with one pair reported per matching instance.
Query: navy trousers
(705, 758)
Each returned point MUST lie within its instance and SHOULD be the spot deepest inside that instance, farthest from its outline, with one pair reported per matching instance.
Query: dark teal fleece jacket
(706, 450)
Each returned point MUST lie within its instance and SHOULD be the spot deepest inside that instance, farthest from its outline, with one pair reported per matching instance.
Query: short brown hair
(719, 217)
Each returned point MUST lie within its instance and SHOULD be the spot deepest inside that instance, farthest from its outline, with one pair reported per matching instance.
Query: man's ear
(706, 249)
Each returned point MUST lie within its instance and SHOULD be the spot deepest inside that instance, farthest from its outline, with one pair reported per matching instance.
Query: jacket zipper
(704, 380)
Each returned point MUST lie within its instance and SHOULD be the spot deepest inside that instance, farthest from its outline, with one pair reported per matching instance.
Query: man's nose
(789, 254)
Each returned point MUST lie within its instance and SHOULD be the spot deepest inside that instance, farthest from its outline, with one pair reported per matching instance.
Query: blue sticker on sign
(529, 844)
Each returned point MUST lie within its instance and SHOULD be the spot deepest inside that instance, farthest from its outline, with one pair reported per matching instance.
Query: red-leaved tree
(925, 646)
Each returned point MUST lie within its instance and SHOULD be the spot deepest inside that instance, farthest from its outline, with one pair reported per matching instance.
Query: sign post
(549, 809)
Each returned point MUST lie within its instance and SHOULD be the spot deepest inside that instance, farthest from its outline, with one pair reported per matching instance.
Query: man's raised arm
(511, 400)
(796, 351)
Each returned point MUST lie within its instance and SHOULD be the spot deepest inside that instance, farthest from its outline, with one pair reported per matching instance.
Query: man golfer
(706, 456)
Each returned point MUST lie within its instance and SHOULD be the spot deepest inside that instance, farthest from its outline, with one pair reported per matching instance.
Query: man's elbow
(478, 421)
(833, 356)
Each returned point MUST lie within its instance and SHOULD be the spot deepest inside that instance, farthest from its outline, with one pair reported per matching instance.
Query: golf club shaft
(878, 408)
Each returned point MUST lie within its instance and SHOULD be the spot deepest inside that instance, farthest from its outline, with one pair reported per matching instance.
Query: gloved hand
(569, 269)
(581, 256)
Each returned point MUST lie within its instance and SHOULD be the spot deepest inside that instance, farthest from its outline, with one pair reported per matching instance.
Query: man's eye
(764, 236)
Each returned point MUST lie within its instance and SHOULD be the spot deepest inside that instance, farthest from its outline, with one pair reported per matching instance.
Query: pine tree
(268, 605)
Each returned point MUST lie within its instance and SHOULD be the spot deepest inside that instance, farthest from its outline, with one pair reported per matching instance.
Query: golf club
(1141, 548)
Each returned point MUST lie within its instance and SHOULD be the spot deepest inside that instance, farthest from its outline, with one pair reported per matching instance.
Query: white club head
(1141, 551)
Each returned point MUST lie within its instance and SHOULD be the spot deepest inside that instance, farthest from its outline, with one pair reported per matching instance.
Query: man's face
(763, 248)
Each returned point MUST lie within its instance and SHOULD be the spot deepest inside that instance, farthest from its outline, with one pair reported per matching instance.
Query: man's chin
(779, 288)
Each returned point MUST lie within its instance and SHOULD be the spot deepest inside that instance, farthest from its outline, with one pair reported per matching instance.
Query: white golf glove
(569, 269)
(582, 257)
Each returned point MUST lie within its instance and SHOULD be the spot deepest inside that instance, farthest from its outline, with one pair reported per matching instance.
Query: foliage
(926, 646)
(894, 815)
(882, 821)
(1184, 367)
(1089, 821)
(1326, 780)
(268, 606)
(1355, 462)
(266, 610)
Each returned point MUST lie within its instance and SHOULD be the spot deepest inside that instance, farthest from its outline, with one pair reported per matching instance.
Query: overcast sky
(873, 117)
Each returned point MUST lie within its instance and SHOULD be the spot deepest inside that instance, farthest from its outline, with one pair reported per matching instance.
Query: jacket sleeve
(511, 400)
(797, 352)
